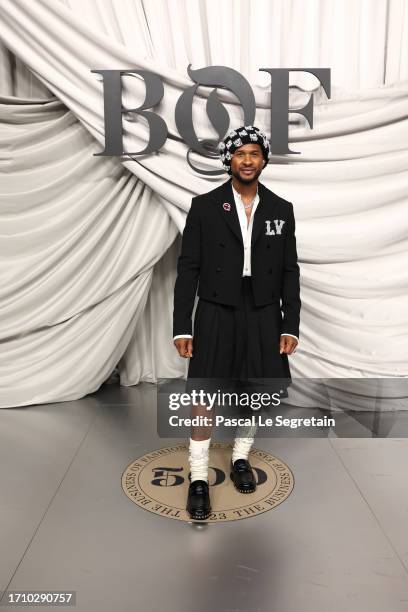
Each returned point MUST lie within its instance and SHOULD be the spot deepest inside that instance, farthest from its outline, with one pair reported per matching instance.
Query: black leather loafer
(243, 476)
(198, 501)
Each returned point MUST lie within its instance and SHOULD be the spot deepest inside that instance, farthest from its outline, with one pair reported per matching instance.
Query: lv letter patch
(278, 227)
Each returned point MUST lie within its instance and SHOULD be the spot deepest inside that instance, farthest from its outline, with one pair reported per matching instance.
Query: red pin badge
(226, 206)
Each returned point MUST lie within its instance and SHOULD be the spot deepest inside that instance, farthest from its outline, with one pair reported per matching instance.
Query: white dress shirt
(246, 230)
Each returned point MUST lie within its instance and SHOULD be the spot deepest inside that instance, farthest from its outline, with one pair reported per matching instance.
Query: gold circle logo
(159, 480)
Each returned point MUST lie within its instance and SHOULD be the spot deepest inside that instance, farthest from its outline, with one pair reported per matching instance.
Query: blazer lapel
(225, 204)
(262, 212)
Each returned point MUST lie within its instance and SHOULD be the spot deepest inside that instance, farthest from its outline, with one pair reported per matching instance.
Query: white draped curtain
(88, 245)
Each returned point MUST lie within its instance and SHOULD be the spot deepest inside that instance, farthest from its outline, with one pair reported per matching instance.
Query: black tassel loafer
(198, 501)
(243, 476)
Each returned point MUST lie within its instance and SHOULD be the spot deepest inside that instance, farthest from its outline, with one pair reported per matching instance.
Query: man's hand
(287, 344)
(184, 346)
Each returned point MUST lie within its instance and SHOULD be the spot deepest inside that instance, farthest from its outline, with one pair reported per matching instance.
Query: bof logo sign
(220, 77)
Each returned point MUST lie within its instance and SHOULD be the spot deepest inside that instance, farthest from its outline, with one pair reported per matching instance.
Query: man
(239, 245)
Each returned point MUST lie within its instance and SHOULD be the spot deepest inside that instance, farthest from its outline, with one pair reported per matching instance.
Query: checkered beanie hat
(246, 134)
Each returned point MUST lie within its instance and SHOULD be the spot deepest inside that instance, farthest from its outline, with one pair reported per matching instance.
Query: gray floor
(339, 542)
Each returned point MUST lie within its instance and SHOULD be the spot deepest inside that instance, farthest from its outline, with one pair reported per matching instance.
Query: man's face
(247, 163)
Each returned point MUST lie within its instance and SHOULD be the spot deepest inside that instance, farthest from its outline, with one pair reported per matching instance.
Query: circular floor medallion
(158, 482)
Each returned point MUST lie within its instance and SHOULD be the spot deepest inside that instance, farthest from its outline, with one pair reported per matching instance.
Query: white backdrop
(89, 244)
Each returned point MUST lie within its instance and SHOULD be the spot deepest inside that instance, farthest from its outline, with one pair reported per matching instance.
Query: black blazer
(212, 254)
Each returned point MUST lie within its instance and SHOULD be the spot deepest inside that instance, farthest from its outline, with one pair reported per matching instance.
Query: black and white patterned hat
(247, 134)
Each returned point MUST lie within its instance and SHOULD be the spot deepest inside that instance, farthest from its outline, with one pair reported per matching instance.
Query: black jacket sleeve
(188, 271)
(290, 288)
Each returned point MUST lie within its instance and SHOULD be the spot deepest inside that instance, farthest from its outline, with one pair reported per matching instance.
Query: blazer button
(222, 244)
(270, 270)
(218, 269)
(215, 293)
(268, 246)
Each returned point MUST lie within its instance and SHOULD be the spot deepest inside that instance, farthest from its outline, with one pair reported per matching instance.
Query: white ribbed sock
(198, 456)
(241, 449)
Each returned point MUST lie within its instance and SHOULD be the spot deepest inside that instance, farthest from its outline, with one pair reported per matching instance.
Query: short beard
(246, 181)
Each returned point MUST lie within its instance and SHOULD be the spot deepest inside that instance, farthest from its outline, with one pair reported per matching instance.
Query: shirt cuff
(182, 336)
(291, 335)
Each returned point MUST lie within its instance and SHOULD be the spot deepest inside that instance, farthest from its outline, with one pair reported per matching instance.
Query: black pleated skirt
(237, 345)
